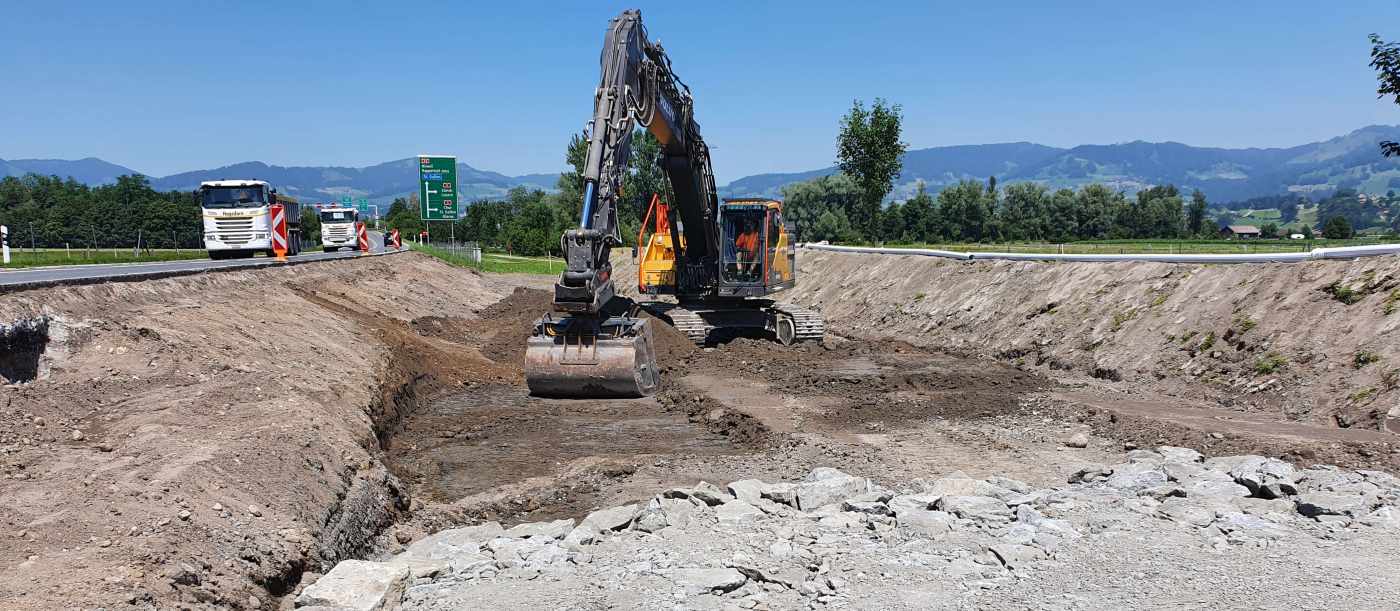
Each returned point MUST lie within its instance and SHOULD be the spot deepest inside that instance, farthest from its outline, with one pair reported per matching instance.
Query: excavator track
(699, 324)
(811, 327)
(686, 321)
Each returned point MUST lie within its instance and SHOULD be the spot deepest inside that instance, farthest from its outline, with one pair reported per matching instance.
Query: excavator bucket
(575, 357)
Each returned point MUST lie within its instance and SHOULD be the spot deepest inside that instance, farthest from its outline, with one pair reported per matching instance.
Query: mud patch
(886, 381)
(495, 435)
(22, 343)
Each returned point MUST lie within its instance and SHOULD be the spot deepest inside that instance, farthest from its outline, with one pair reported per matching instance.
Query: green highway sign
(346, 202)
(363, 207)
(437, 187)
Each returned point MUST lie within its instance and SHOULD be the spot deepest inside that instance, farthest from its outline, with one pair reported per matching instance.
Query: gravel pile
(1164, 527)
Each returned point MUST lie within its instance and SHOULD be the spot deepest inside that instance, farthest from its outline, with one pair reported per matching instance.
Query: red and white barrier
(394, 237)
(363, 235)
(279, 230)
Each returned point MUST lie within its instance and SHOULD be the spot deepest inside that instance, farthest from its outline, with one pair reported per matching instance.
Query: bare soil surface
(203, 440)
(1311, 343)
(748, 408)
(220, 441)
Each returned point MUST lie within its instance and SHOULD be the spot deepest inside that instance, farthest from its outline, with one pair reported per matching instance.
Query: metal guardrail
(1344, 252)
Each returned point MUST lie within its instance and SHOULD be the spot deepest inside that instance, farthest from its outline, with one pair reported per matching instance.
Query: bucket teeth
(582, 358)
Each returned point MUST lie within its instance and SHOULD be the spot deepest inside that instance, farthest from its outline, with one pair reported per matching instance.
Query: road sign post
(363, 236)
(279, 230)
(5, 242)
(437, 187)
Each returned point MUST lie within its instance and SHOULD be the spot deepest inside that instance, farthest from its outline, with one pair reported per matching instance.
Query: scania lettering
(236, 219)
(338, 228)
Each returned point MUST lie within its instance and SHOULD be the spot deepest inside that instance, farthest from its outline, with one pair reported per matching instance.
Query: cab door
(779, 253)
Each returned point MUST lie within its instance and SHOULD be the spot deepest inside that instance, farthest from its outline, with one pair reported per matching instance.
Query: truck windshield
(232, 197)
(337, 216)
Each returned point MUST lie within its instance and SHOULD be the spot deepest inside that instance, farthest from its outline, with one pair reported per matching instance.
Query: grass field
(48, 256)
(1149, 246)
(495, 262)
(1265, 215)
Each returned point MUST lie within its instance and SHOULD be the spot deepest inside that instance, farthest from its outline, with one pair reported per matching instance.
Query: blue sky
(168, 87)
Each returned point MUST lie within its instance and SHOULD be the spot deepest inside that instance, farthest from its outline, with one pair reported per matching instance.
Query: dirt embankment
(209, 439)
(1312, 343)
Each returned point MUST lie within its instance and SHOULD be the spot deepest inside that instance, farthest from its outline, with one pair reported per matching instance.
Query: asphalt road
(98, 273)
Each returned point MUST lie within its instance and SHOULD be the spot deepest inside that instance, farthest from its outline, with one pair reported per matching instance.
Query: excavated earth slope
(1312, 342)
(210, 439)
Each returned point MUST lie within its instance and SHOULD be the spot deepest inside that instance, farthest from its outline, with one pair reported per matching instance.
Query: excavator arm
(596, 348)
(639, 88)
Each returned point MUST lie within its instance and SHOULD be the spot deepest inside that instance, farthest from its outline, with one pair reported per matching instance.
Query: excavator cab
(758, 254)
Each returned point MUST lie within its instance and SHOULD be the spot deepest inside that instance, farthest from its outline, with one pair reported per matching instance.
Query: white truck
(236, 219)
(338, 228)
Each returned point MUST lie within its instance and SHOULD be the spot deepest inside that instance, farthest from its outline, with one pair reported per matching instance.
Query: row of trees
(49, 212)
(971, 211)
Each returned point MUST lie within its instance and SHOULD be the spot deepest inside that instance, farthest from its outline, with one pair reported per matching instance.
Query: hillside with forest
(1315, 169)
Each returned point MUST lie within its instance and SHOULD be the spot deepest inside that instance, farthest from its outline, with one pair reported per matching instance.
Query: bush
(1364, 358)
(1269, 363)
(1343, 293)
(1337, 228)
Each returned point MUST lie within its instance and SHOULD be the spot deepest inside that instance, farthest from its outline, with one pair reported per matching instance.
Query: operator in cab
(747, 245)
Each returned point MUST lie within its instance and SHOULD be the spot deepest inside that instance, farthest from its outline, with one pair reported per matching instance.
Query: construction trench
(227, 440)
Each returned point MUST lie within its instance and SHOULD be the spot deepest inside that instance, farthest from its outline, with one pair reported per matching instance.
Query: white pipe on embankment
(1346, 252)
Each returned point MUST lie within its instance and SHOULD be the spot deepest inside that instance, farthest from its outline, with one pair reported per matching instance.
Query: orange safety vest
(748, 242)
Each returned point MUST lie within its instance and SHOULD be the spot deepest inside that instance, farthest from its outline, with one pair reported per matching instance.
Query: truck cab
(338, 228)
(237, 223)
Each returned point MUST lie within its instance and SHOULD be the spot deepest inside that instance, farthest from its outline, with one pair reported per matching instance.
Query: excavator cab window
(743, 228)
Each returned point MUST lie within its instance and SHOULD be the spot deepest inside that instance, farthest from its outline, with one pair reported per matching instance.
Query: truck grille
(338, 232)
(234, 231)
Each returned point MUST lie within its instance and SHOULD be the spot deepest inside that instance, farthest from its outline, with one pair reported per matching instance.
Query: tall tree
(570, 183)
(1025, 211)
(1196, 213)
(1337, 228)
(870, 152)
(806, 204)
(1385, 58)
(920, 217)
(645, 178)
(1288, 211)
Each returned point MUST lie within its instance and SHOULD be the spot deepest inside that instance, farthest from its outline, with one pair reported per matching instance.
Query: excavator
(718, 261)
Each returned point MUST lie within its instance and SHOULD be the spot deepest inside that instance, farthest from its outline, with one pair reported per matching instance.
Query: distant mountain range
(378, 183)
(1317, 168)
